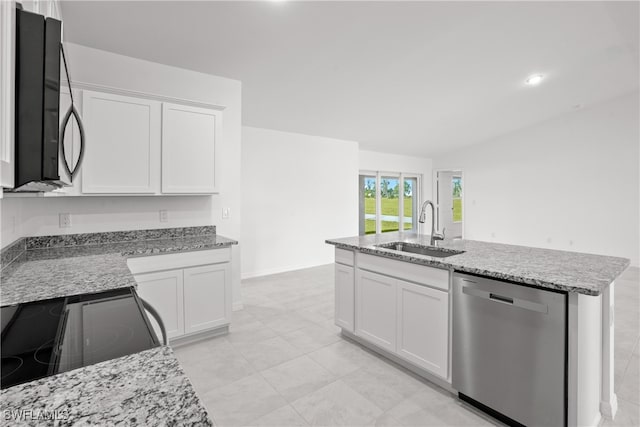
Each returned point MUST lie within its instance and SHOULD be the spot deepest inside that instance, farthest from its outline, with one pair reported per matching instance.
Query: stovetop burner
(10, 365)
(48, 337)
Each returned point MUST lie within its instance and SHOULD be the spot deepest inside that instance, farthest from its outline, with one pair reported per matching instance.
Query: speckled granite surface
(147, 388)
(64, 240)
(11, 252)
(545, 268)
(61, 271)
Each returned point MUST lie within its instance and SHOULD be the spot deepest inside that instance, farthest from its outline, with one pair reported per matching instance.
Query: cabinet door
(423, 325)
(7, 100)
(344, 297)
(122, 144)
(207, 297)
(164, 291)
(376, 309)
(189, 137)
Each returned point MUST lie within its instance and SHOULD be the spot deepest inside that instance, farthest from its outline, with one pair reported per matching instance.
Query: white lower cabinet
(422, 327)
(344, 297)
(190, 297)
(207, 294)
(164, 291)
(376, 309)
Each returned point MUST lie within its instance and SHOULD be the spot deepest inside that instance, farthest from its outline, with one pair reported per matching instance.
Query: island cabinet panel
(344, 297)
(164, 291)
(376, 309)
(422, 327)
(207, 297)
(189, 136)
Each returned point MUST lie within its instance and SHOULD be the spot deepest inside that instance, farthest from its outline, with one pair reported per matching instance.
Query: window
(456, 185)
(383, 196)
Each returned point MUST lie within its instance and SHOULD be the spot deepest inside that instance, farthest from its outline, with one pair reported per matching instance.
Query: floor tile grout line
(285, 399)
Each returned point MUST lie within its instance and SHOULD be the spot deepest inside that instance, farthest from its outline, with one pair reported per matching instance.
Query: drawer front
(151, 263)
(344, 257)
(428, 276)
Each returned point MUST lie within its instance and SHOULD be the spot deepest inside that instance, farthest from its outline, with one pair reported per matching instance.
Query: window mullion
(378, 205)
(401, 203)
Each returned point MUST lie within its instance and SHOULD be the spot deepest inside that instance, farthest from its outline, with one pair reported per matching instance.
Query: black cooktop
(43, 338)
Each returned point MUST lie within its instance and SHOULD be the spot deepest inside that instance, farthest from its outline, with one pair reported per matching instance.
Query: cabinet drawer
(344, 257)
(147, 264)
(429, 276)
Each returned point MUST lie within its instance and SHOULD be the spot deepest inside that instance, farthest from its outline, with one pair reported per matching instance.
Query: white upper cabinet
(122, 144)
(189, 136)
(7, 103)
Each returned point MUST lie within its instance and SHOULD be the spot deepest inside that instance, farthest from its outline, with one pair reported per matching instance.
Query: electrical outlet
(226, 213)
(65, 220)
(164, 216)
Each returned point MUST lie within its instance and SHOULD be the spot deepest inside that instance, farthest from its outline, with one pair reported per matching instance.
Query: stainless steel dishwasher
(509, 349)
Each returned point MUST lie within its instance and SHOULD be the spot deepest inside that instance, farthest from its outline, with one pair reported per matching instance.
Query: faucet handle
(439, 236)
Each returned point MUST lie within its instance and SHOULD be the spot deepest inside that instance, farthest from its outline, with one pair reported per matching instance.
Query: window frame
(400, 176)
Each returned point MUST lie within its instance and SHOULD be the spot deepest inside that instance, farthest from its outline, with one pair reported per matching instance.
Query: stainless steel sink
(420, 249)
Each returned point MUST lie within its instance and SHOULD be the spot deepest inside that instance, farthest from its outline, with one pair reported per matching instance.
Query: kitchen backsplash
(13, 251)
(63, 240)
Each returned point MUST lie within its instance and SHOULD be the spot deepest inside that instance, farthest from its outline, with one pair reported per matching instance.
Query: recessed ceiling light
(534, 80)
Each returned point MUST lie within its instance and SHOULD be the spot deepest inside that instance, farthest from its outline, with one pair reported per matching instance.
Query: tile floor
(284, 363)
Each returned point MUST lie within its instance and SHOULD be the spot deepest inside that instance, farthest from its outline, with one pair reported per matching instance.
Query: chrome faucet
(423, 216)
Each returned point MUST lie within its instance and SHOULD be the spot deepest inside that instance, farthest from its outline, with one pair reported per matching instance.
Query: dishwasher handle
(500, 299)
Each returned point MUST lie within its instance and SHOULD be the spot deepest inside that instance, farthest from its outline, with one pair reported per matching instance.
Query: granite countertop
(146, 388)
(58, 266)
(545, 268)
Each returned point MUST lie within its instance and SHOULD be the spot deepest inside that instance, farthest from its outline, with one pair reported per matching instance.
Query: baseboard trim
(198, 336)
(278, 270)
(609, 409)
(422, 373)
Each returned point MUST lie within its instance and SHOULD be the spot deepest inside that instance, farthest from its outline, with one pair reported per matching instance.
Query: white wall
(40, 216)
(570, 183)
(297, 191)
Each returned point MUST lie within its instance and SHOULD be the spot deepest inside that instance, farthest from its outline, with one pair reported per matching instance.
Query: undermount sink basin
(420, 249)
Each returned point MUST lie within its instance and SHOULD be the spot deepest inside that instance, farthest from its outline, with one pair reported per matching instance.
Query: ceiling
(414, 78)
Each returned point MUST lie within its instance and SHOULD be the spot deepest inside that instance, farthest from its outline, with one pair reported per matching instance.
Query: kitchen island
(399, 303)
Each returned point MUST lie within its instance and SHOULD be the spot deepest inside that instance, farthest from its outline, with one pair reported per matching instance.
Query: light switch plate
(226, 213)
(164, 215)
